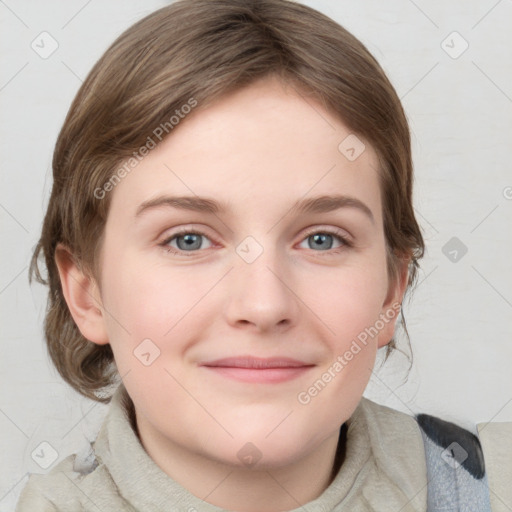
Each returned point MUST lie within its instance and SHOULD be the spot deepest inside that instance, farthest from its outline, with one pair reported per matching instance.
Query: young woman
(228, 241)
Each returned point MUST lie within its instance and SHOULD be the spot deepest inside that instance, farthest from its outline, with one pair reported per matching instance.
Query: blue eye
(323, 240)
(190, 241)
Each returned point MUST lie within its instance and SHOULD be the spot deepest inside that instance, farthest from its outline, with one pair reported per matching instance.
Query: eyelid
(185, 231)
(343, 235)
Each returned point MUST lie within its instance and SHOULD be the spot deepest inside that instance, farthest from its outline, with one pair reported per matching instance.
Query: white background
(460, 112)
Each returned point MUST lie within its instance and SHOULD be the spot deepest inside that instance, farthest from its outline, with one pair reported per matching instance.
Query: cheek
(147, 301)
(347, 300)
(349, 305)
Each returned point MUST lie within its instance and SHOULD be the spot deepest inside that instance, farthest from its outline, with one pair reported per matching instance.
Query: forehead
(260, 147)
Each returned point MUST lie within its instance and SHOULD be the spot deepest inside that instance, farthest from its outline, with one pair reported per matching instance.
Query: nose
(260, 295)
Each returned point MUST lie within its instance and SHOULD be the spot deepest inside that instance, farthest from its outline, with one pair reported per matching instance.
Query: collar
(380, 464)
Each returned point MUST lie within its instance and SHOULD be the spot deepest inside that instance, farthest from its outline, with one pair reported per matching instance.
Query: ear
(82, 297)
(392, 304)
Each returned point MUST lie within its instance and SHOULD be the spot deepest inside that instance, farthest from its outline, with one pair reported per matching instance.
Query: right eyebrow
(192, 203)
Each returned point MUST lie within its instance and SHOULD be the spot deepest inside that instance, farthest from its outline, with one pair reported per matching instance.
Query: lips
(258, 370)
(257, 363)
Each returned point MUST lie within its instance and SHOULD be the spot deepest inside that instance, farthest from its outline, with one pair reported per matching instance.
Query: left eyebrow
(319, 204)
(325, 204)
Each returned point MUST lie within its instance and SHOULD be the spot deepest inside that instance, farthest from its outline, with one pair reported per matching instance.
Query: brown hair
(204, 49)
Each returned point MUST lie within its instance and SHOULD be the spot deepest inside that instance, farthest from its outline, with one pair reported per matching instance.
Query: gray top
(384, 469)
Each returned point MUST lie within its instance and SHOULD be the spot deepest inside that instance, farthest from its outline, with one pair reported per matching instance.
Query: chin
(260, 451)
(253, 457)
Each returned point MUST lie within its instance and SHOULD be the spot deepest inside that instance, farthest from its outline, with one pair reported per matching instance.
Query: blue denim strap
(457, 480)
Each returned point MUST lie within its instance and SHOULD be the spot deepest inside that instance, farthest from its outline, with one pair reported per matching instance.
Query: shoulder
(445, 435)
(393, 421)
(435, 435)
(496, 440)
(497, 434)
(45, 492)
(397, 449)
(82, 481)
(76, 483)
(451, 456)
(391, 431)
(454, 442)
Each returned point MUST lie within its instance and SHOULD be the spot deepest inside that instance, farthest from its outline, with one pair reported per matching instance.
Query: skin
(259, 150)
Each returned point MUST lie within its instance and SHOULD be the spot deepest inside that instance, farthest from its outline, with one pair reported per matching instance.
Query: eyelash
(336, 233)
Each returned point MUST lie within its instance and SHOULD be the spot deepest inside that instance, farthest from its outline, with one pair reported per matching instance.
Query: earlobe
(82, 297)
(393, 304)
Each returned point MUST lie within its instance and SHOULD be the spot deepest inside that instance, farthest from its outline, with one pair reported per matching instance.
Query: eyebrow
(319, 204)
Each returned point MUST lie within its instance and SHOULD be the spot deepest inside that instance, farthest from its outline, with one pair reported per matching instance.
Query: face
(247, 274)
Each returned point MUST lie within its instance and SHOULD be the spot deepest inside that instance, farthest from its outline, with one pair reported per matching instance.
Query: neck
(244, 489)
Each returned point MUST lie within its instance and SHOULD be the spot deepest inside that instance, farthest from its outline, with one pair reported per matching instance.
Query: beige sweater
(384, 470)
